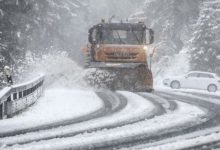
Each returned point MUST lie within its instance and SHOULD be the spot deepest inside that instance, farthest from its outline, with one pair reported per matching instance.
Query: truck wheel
(212, 88)
(175, 85)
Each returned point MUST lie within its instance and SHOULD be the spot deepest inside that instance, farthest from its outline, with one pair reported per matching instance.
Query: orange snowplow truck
(122, 48)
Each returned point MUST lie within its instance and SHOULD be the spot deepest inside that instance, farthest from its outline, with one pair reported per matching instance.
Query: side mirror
(149, 36)
(92, 35)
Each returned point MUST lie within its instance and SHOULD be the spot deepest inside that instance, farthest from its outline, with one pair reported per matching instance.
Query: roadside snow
(185, 115)
(56, 105)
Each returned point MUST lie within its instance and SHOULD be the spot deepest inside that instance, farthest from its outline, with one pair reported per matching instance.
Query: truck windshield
(122, 37)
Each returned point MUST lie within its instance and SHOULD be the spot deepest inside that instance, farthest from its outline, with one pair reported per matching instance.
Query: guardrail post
(1, 111)
(5, 110)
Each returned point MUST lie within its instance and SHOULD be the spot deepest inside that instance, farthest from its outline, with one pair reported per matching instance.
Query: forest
(186, 31)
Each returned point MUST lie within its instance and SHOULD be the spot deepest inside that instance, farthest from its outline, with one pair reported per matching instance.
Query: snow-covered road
(111, 120)
(57, 105)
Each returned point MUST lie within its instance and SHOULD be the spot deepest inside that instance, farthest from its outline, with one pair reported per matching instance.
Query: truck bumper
(114, 65)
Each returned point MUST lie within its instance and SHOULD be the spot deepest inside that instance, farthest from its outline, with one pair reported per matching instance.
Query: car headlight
(166, 81)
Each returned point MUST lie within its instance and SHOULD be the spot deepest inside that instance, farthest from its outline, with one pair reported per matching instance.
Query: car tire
(212, 88)
(175, 85)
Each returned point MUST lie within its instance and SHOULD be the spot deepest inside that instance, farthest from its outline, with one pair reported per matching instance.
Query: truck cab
(119, 44)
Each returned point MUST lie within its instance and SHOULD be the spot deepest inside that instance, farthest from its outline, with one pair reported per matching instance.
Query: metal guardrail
(18, 97)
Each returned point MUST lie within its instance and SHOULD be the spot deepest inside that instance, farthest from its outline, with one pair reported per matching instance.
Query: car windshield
(193, 75)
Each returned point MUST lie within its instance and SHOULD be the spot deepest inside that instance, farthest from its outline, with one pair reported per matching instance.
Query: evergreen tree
(12, 18)
(205, 46)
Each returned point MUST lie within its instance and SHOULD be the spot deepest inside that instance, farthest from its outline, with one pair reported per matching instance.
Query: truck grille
(121, 56)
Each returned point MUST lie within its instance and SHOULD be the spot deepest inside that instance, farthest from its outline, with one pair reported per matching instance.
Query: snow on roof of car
(202, 72)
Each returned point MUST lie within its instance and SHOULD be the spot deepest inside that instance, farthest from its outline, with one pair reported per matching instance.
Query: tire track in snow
(142, 131)
(176, 131)
(210, 117)
(214, 145)
(212, 102)
(116, 102)
(212, 107)
(138, 113)
(163, 104)
(188, 133)
(108, 108)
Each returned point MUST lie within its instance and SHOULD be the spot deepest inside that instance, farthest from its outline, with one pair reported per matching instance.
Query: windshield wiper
(119, 37)
(136, 36)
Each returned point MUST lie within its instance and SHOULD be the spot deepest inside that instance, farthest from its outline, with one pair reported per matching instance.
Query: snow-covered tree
(171, 20)
(40, 26)
(104, 9)
(205, 44)
(12, 16)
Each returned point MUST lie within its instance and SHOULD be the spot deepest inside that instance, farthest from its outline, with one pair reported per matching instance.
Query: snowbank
(56, 105)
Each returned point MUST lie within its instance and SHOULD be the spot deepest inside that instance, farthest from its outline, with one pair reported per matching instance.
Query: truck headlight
(145, 48)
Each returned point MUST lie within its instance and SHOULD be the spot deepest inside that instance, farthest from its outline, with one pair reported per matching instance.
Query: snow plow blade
(135, 78)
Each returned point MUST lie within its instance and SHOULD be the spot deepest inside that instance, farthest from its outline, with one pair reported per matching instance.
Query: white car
(195, 80)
